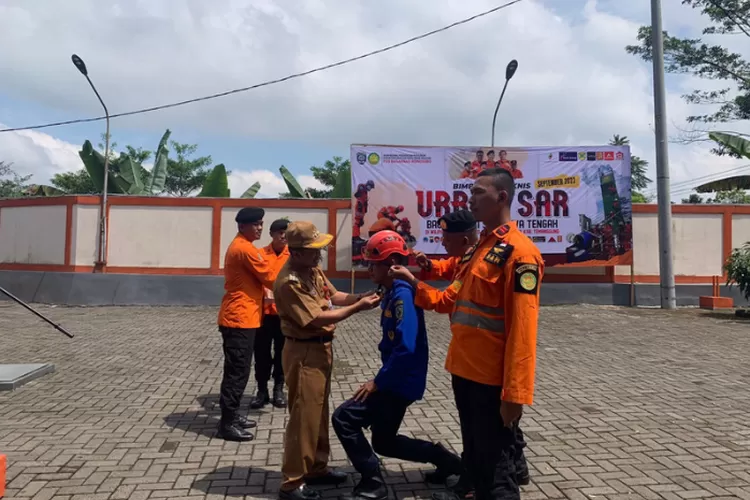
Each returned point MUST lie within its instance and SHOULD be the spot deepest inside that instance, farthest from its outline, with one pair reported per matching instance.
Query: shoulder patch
(469, 254)
(292, 278)
(398, 307)
(499, 253)
(526, 278)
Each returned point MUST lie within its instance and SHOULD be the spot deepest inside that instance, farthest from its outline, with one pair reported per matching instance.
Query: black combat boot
(261, 399)
(279, 401)
(447, 463)
(369, 488)
(229, 430)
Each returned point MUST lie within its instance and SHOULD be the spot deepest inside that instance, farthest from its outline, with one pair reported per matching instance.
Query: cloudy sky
(575, 85)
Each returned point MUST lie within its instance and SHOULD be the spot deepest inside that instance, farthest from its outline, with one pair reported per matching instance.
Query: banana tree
(343, 187)
(126, 176)
(738, 144)
(295, 190)
(251, 191)
(216, 184)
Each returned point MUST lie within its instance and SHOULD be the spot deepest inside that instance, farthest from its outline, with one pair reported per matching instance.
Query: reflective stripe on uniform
(496, 311)
(475, 321)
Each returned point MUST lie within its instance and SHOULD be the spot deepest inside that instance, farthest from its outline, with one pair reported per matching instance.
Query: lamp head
(510, 70)
(79, 64)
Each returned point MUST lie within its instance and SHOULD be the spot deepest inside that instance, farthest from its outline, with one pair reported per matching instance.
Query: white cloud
(575, 83)
(38, 153)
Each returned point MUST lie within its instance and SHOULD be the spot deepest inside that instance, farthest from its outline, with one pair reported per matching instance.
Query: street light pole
(510, 70)
(102, 255)
(666, 271)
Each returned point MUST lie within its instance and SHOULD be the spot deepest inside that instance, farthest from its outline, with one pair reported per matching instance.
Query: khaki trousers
(307, 369)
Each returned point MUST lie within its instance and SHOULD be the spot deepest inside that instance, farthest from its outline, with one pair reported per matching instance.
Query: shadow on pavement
(204, 422)
(257, 482)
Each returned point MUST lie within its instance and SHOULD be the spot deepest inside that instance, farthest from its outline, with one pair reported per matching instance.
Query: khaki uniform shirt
(299, 301)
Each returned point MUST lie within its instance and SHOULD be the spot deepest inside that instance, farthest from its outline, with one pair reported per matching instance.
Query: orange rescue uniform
(269, 306)
(442, 269)
(246, 272)
(494, 306)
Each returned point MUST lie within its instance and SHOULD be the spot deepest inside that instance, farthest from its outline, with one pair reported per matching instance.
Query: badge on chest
(499, 253)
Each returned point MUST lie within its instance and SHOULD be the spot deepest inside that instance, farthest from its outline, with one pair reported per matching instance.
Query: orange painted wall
(333, 206)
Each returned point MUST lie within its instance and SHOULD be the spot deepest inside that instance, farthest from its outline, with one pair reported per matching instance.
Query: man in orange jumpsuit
(459, 233)
(269, 333)
(246, 272)
(494, 305)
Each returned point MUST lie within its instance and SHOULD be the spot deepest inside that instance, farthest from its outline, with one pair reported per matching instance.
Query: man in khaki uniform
(305, 299)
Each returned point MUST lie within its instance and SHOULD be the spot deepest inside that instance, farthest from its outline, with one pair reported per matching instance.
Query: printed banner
(574, 203)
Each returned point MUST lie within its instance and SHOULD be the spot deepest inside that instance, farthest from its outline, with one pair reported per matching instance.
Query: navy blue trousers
(383, 413)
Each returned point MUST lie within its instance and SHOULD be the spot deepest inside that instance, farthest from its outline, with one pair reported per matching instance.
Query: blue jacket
(403, 349)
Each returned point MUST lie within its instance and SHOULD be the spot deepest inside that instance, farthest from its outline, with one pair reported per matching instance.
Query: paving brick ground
(630, 404)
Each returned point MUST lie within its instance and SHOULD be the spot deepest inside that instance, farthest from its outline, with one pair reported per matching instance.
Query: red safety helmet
(384, 244)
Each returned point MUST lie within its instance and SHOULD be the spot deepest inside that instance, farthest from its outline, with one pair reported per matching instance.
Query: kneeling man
(381, 403)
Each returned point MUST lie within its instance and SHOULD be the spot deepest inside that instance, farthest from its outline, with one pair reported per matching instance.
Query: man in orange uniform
(494, 306)
(269, 333)
(459, 233)
(246, 272)
(305, 300)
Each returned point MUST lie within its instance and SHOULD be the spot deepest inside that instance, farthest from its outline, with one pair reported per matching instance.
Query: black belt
(312, 340)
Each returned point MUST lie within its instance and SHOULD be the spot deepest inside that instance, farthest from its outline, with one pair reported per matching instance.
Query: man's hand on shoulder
(402, 273)
(423, 261)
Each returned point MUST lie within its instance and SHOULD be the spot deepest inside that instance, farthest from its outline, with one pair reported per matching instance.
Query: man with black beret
(246, 272)
(269, 333)
(459, 234)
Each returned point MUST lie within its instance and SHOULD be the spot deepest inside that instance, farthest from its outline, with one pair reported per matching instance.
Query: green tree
(12, 185)
(732, 197)
(186, 175)
(327, 175)
(638, 179)
(711, 61)
(78, 182)
(693, 199)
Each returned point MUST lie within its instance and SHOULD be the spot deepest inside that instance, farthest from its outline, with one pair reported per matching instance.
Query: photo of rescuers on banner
(574, 203)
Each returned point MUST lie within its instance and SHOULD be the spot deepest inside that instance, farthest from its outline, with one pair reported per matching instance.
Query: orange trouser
(307, 369)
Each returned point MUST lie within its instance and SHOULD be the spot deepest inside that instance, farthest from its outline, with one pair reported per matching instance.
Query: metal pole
(102, 255)
(28, 307)
(494, 118)
(666, 271)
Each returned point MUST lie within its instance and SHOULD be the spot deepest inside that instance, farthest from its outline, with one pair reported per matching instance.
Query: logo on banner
(568, 156)
(609, 156)
(373, 159)
(361, 158)
(620, 155)
(599, 156)
(591, 156)
(581, 156)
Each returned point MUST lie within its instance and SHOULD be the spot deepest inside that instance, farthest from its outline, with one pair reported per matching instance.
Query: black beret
(248, 215)
(460, 221)
(279, 225)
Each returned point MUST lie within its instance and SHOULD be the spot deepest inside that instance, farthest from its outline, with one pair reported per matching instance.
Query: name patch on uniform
(498, 254)
(526, 278)
(469, 254)
(399, 308)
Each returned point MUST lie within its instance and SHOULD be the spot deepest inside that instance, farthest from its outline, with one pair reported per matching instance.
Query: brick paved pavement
(630, 404)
